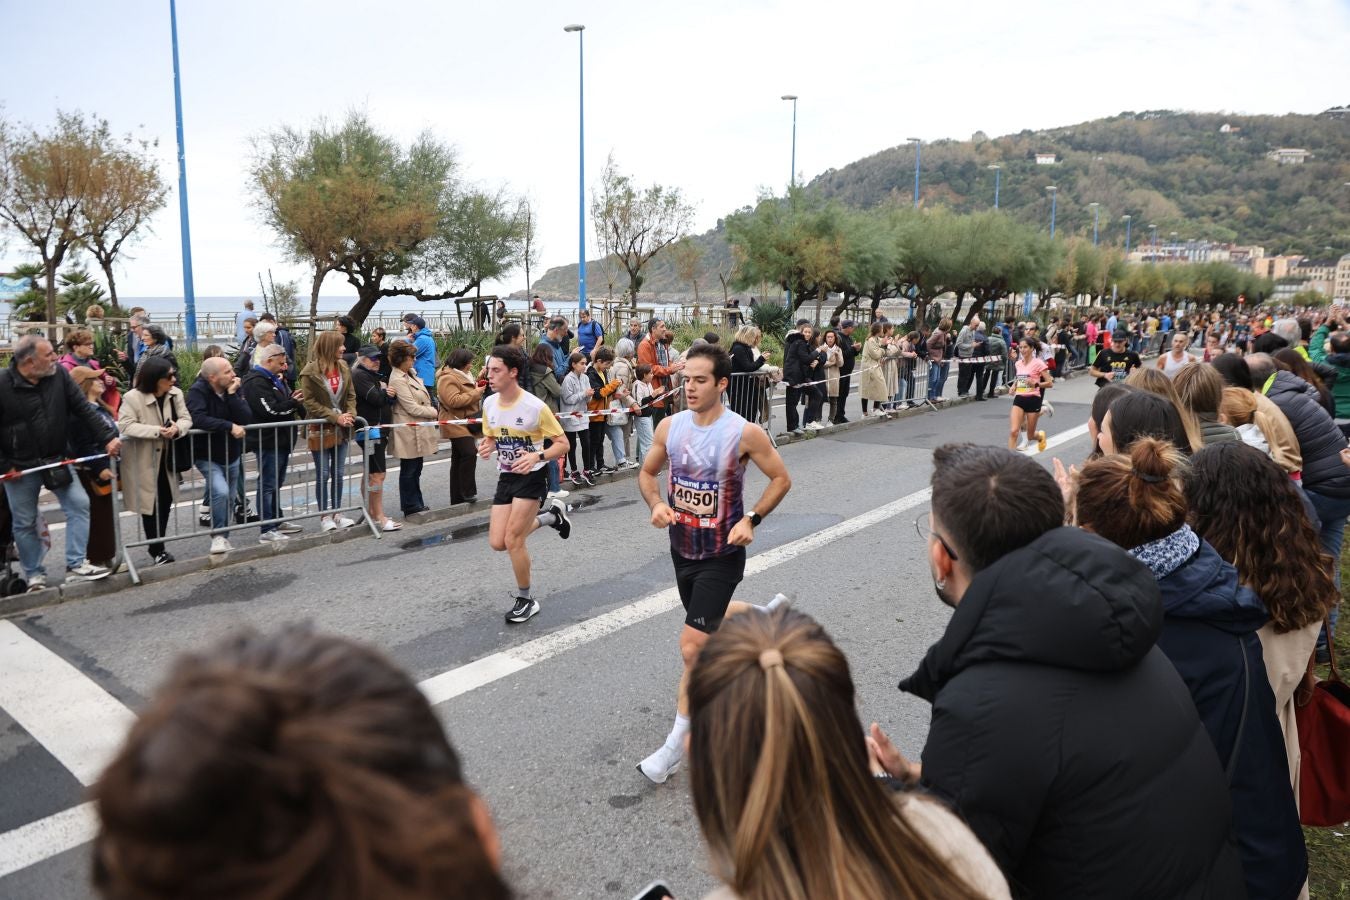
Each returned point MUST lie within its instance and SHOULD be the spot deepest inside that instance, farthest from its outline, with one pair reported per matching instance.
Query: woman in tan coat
(872, 384)
(329, 394)
(412, 403)
(152, 414)
(461, 398)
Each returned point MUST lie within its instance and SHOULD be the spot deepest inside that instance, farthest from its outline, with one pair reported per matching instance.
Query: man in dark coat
(844, 335)
(797, 370)
(271, 401)
(1060, 732)
(38, 399)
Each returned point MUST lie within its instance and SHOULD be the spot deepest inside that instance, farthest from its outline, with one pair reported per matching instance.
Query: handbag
(57, 478)
(617, 416)
(322, 437)
(1322, 709)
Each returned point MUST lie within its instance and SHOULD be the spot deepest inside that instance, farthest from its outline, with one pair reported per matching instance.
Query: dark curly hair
(291, 765)
(1249, 510)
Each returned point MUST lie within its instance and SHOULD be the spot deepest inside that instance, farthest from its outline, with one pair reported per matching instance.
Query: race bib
(1022, 385)
(695, 502)
(509, 450)
(1118, 372)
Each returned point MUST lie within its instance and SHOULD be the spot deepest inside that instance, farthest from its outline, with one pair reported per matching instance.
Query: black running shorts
(706, 586)
(531, 486)
(1028, 403)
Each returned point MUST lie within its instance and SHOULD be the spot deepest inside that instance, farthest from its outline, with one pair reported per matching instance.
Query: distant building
(1288, 156)
(1225, 128)
(1045, 159)
(1341, 289)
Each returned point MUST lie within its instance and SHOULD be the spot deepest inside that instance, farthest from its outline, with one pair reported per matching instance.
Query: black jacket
(266, 404)
(797, 355)
(216, 415)
(1209, 634)
(372, 402)
(1319, 440)
(35, 418)
(1067, 740)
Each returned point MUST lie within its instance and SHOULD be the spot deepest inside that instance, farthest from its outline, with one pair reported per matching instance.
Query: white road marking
(1062, 438)
(77, 721)
(32, 843)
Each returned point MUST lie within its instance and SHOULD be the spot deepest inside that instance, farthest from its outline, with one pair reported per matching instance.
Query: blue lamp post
(998, 170)
(1127, 235)
(581, 162)
(792, 176)
(1096, 213)
(189, 296)
(918, 144)
(1054, 200)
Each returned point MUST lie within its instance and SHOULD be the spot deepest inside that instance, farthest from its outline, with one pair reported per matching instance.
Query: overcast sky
(685, 94)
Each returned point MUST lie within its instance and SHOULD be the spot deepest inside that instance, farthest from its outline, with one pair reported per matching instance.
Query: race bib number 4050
(694, 502)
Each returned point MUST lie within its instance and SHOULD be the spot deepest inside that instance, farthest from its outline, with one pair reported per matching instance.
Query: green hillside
(1177, 170)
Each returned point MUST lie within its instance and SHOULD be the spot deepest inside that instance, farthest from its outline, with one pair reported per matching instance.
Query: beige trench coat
(412, 403)
(139, 420)
(872, 386)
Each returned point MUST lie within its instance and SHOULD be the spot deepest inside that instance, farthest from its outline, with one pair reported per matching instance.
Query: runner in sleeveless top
(707, 446)
(1033, 377)
(1179, 357)
(526, 437)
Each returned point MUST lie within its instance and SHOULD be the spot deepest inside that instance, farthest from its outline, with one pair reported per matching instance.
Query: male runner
(527, 437)
(1116, 363)
(707, 445)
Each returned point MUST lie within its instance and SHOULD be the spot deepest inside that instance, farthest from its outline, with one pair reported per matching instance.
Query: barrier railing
(750, 395)
(224, 485)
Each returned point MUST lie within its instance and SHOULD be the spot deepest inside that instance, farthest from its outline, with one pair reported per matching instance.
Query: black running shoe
(588, 477)
(523, 611)
(162, 559)
(562, 524)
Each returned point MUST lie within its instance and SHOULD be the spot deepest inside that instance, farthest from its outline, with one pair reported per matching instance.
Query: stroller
(11, 574)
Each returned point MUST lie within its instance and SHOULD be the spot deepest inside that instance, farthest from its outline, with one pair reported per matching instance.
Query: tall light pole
(581, 162)
(792, 179)
(1096, 213)
(1154, 240)
(189, 295)
(1127, 235)
(1054, 200)
(917, 145)
(998, 170)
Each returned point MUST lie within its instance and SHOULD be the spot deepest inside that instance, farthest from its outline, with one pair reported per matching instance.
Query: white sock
(675, 740)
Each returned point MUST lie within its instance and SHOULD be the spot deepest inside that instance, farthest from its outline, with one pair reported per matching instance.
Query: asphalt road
(552, 716)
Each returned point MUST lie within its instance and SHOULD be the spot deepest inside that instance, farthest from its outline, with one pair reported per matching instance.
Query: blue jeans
(22, 494)
(328, 478)
(643, 431)
(615, 433)
(271, 476)
(220, 490)
(937, 378)
(1333, 512)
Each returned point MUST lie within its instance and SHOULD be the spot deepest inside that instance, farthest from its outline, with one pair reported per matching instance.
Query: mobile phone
(657, 890)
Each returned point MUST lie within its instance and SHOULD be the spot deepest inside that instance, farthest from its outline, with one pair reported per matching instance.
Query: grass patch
(1329, 848)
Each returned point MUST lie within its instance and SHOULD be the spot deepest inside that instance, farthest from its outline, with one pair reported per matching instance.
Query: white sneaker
(558, 495)
(815, 426)
(289, 528)
(1022, 441)
(344, 522)
(662, 764)
(628, 464)
(777, 601)
(273, 537)
(326, 524)
(220, 544)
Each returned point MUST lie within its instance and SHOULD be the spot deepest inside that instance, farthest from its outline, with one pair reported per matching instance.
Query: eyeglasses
(924, 526)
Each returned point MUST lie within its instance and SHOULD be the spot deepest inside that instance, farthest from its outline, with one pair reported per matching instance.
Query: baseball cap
(369, 351)
(415, 319)
(1121, 336)
(848, 323)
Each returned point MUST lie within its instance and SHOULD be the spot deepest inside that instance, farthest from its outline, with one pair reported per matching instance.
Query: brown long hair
(1132, 499)
(1249, 510)
(779, 773)
(1293, 361)
(325, 349)
(289, 767)
(1154, 381)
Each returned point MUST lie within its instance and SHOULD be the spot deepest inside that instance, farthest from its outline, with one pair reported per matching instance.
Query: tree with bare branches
(634, 224)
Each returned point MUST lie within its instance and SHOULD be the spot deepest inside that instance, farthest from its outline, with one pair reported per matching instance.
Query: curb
(60, 594)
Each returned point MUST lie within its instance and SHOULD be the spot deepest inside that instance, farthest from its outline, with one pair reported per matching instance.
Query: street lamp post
(1127, 235)
(917, 145)
(1054, 200)
(581, 162)
(1096, 213)
(189, 295)
(1153, 240)
(792, 176)
(998, 170)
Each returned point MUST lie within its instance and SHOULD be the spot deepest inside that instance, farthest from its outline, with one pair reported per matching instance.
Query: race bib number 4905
(694, 502)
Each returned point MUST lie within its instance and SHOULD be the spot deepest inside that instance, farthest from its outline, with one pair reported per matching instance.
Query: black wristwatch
(755, 518)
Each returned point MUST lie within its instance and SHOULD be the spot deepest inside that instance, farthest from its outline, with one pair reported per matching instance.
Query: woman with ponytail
(291, 766)
(1210, 624)
(781, 783)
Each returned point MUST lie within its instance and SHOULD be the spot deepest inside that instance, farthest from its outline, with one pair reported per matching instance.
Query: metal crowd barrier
(749, 394)
(289, 501)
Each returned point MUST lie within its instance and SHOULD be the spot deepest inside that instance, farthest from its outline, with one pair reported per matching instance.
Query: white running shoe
(662, 764)
(220, 544)
(777, 601)
(558, 495)
(344, 522)
(815, 426)
(273, 537)
(326, 524)
(1022, 441)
